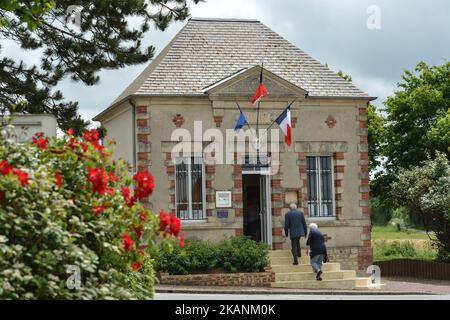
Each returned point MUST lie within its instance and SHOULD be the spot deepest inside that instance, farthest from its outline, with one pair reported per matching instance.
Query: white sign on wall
(223, 199)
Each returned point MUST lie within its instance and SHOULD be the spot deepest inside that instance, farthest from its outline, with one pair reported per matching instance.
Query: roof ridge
(223, 19)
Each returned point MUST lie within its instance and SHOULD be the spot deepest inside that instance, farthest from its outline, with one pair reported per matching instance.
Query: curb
(254, 291)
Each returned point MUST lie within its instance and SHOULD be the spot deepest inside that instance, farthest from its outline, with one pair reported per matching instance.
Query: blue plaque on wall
(222, 214)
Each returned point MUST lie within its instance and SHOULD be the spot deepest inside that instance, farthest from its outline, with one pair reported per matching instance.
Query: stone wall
(347, 257)
(257, 279)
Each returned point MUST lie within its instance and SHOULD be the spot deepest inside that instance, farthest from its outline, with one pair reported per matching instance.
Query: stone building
(208, 66)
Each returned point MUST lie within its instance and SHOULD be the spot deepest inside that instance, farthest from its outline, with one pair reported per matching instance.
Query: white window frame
(319, 188)
(189, 175)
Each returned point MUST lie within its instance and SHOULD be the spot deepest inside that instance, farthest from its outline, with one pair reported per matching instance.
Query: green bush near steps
(237, 254)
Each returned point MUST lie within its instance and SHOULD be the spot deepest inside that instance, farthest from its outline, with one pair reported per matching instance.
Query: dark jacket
(295, 224)
(316, 243)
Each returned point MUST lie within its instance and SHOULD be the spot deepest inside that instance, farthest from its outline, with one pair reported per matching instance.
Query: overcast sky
(331, 31)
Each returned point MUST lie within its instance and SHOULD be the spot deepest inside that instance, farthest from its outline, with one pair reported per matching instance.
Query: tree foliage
(417, 124)
(104, 39)
(426, 190)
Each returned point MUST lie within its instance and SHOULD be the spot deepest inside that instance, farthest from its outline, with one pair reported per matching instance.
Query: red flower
(73, 143)
(98, 210)
(83, 146)
(70, 131)
(145, 184)
(23, 177)
(40, 141)
(91, 135)
(112, 177)
(182, 244)
(5, 168)
(169, 224)
(127, 241)
(58, 177)
(143, 216)
(110, 190)
(141, 249)
(138, 231)
(136, 265)
(127, 196)
(175, 225)
(97, 177)
(164, 221)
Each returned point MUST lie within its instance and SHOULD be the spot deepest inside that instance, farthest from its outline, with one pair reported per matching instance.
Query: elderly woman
(317, 249)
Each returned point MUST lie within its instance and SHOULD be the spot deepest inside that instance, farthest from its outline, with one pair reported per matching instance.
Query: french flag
(261, 91)
(284, 121)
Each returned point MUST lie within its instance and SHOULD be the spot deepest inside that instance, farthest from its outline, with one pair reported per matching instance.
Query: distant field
(390, 232)
(389, 244)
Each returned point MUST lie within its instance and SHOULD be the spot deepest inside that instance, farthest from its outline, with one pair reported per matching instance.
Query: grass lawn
(389, 243)
(391, 233)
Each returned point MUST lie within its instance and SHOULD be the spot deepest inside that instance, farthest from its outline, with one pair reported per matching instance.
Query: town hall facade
(201, 75)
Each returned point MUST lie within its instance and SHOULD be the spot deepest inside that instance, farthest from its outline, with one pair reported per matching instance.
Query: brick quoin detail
(143, 156)
(218, 121)
(141, 109)
(210, 169)
(237, 197)
(142, 122)
(276, 211)
(170, 169)
(277, 231)
(239, 231)
(142, 137)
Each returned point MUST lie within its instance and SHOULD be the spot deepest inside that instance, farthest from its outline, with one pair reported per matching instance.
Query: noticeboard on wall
(223, 199)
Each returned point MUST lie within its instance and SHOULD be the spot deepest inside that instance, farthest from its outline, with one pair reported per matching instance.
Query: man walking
(295, 226)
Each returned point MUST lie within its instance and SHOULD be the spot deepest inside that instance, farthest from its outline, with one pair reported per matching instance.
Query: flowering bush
(65, 203)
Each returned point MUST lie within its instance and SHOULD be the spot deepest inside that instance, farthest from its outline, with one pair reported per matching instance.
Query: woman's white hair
(313, 226)
(293, 206)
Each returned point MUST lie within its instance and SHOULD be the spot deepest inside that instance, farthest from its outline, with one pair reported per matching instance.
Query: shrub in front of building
(71, 225)
(236, 254)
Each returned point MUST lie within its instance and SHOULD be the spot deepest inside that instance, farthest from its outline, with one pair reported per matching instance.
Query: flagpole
(280, 113)
(265, 132)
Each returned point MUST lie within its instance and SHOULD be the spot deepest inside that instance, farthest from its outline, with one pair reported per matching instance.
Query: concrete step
(324, 284)
(284, 253)
(288, 260)
(301, 276)
(289, 268)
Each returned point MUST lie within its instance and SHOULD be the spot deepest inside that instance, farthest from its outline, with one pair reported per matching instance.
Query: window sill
(321, 218)
(194, 221)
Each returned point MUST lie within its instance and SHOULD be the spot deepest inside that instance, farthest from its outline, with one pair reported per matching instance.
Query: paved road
(225, 297)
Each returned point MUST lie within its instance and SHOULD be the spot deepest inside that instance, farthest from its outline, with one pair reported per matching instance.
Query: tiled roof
(206, 51)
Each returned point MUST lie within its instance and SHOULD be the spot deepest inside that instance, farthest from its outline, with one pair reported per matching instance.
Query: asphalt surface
(242, 297)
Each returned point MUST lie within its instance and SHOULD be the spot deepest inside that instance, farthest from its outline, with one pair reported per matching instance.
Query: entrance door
(266, 216)
(257, 209)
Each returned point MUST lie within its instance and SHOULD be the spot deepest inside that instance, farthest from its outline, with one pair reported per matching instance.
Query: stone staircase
(302, 277)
